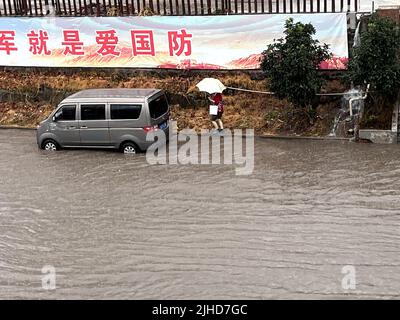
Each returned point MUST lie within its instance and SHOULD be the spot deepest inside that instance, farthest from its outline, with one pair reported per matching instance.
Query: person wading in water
(216, 99)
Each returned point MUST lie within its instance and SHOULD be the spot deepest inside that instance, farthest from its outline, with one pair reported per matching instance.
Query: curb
(16, 127)
(303, 137)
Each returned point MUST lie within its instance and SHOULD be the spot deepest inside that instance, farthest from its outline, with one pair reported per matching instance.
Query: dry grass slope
(35, 93)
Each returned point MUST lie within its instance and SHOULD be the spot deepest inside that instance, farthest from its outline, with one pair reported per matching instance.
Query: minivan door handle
(83, 127)
(71, 127)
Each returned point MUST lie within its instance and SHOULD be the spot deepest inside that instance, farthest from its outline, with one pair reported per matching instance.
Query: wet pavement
(116, 227)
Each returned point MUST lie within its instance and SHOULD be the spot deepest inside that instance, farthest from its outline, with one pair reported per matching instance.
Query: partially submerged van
(105, 118)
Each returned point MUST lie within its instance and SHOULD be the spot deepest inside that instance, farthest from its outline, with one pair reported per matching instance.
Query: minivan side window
(66, 113)
(93, 111)
(125, 111)
(158, 107)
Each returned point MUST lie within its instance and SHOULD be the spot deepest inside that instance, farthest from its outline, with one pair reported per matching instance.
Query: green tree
(291, 64)
(376, 60)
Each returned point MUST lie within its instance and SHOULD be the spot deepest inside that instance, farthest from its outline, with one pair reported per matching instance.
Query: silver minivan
(106, 118)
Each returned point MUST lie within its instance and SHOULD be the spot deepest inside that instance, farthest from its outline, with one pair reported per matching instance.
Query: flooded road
(115, 227)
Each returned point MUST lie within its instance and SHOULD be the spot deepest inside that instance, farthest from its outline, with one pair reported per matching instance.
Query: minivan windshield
(158, 107)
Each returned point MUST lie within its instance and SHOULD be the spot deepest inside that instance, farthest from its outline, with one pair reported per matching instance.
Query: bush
(377, 59)
(291, 64)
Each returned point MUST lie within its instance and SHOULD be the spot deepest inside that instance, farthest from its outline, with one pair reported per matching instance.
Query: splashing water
(344, 115)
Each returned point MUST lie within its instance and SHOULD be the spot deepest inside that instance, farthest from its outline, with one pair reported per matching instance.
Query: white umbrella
(211, 85)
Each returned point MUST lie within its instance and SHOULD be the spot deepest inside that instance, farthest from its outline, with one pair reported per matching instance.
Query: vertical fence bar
(208, 6)
(58, 7)
(242, 6)
(104, 11)
(319, 6)
(291, 6)
(127, 7)
(75, 11)
(36, 7)
(10, 8)
(176, 7)
(90, 7)
(269, 6)
(158, 6)
(305, 5)
(69, 7)
(138, 6)
(79, 9)
(333, 6)
(195, 7)
(311, 5)
(171, 11)
(5, 8)
(355, 6)
(277, 6)
(132, 7)
(284, 6)
(255, 6)
(84, 7)
(249, 6)
(189, 9)
(183, 7)
(202, 7)
(15, 6)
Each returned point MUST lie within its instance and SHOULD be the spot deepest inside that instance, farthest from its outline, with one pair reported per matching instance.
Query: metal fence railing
(70, 8)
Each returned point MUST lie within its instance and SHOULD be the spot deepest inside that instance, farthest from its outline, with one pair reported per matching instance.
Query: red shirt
(217, 99)
(218, 102)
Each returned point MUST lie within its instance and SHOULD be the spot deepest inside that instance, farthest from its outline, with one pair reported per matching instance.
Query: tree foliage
(291, 63)
(377, 59)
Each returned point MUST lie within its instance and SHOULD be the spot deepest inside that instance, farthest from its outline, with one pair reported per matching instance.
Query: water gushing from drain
(351, 104)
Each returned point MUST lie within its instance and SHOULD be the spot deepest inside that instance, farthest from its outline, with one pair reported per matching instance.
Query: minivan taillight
(150, 128)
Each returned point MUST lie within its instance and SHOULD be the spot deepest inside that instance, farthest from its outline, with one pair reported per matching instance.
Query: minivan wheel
(129, 148)
(50, 145)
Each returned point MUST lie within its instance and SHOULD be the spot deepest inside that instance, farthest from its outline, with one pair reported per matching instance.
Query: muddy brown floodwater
(116, 227)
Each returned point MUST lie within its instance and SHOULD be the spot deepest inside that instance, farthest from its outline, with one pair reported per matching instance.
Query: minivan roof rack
(113, 93)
